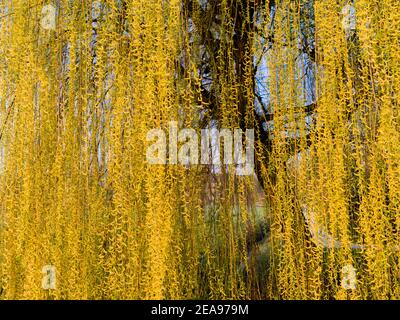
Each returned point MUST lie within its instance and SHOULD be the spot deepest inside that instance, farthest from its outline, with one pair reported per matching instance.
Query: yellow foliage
(76, 192)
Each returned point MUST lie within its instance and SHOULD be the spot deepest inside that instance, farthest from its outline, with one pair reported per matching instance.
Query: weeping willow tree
(83, 82)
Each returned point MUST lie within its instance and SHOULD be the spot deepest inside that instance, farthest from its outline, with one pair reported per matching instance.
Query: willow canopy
(84, 215)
